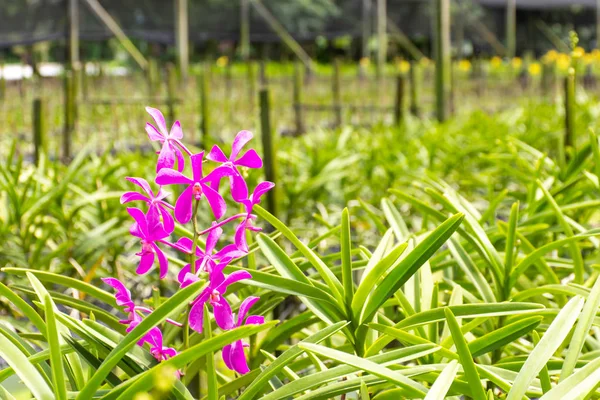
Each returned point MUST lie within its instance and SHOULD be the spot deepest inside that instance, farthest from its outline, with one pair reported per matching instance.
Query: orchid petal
(197, 316)
(159, 119)
(245, 307)
(172, 177)
(141, 182)
(176, 132)
(217, 204)
(183, 206)
(166, 157)
(250, 159)
(217, 155)
(133, 196)
(240, 140)
(260, 190)
(255, 320)
(162, 261)
(226, 353)
(231, 279)
(212, 239)
(122, 294)
(153, 133)
(222, 313)
(240, 236)
(197, 160)
(179, 155)
(239, 189)
(146, 262)
(167, 218)
(140, 219)
(238, 358)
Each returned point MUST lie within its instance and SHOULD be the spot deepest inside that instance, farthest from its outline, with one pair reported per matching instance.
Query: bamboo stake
(40, 129)
(442, 58)
(268, 144)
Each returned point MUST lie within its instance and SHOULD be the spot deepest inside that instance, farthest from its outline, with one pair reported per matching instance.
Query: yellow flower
(403, 66)
(588, 58)
(563, 62)
(222, 61)
(365, 62)
(517, 62)
(578, 52)
(534, 69)
(464, 65)
(551, 55)
(496, 62)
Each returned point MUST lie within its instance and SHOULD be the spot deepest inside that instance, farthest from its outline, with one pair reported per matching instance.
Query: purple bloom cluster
(154, 226)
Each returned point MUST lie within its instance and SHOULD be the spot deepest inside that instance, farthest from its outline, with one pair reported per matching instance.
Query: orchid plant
(154, 226)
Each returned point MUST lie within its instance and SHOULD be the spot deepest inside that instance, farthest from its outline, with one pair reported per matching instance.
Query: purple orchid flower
(246, 224)
(213, 294)
(156, 203)
(150, 231)
(233, 354)
(249, 159)
(171, 144)
(122, 294)
(196, 187)
(207, 260)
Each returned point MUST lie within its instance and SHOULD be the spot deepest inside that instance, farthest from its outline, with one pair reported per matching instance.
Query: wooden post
(366, 28)
(337, 96)
(511, 27)
(2, 83)
(415, 87)
(204, 87)
(251, 79)
(245, 29)
(171, 90)
(262, 72)
(381, 36)
(298, 86)
(598, 24)
(570, 139)
(40, 129)
(399, 101)
(69, 117)
(152, 77)
(73, 26)
(268, 149)
(182, 37)
(442, 58)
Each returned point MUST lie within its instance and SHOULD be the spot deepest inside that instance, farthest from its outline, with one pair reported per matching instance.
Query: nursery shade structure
(27, 22)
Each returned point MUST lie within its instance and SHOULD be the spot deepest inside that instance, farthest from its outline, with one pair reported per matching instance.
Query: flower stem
(225, 221)
(186, 323)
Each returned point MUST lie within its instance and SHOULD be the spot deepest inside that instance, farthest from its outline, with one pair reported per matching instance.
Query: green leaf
(330, 279)
(211, 372)
(25, 370)
(504, 335)
(56, 362)
(395, 219)
(409, 265)
(552, 339)
(290, 354)
(346, 248)
(581, 331)
(442, 384)
(372, 276)
(578, 385)
(170, 307)
(413, 388)
(466, 360)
